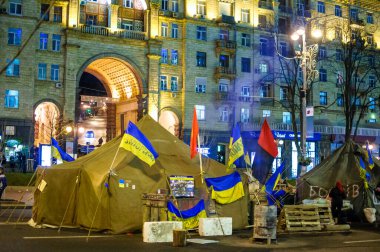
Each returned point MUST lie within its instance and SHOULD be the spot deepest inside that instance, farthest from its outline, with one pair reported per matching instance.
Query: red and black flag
(266, 152)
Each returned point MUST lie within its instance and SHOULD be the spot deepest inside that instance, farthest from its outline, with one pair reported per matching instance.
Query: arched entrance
(170, 122)
(47, 122)
(104, 112)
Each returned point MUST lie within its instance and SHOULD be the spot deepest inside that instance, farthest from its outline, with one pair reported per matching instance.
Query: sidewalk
(22, 194)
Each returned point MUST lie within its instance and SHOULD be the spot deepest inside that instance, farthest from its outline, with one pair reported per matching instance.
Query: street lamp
(304, 56)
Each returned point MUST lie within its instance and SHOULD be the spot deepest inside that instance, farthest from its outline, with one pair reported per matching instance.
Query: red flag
(266, 140)
(194, 135)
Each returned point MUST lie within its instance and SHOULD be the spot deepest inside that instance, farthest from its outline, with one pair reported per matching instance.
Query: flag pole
(200, 159)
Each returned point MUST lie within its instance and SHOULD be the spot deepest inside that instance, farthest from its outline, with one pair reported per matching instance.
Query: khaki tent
(76, 191)
(342, 165)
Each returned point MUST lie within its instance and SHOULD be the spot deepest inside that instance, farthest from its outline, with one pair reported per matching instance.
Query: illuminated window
(164, 55)
(201, 112)
(223, 114)
(14, 36)
(128, 3)
(245, 16)
(164, 29)
(201, 7)
(11, 99)
(244, 115)
(201, 59)
(323, 98)
(14, 68)
(44, 41)
(286, 117)
(266, 113)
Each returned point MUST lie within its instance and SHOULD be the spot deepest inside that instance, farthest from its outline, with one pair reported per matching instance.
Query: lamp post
(304, 56)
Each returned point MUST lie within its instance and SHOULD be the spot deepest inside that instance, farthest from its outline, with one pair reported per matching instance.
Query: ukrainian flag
(135, 142)
(271, 184)
(190, 217)
(236, 146)
(58, 153)
(226, 189)
(371, 164)
(364, 175)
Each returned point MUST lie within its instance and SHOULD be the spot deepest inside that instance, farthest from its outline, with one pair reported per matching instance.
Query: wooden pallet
(298, 218)
(325, 215)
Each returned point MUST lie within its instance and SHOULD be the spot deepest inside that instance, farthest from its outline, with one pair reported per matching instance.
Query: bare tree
(356, 63)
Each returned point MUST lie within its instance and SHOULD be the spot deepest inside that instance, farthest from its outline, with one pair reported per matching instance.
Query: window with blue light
(44, 38)
(56, 43)
(354, 14)
(42, 71)
(54, 73)
(338, 10)
(321, 7)
(246, 65)
(164, 55)
(201, 33)
(11, 99)
(14, 36)
(372, 103)
(322, 98)
(163, 83)
(174, 84)
(371, 81)
(322, 52)
(200, 85)
(339, 100)
(174, 58)
(323, 75)
(369, 18)
(201, 59)
(174, 30)
(14, 68)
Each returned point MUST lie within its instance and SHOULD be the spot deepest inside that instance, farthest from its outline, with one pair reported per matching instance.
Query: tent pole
(200, 160)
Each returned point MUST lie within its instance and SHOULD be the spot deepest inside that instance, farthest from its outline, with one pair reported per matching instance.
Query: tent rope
(71, 197)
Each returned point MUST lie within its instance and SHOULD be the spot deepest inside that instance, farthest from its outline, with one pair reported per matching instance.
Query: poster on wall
(45, 155)
(182, 186)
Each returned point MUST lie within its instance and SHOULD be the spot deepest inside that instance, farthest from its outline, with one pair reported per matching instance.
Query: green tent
(73, 190)
(343, 165)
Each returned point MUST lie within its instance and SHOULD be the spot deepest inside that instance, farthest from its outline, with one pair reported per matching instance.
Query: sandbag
(370, 214)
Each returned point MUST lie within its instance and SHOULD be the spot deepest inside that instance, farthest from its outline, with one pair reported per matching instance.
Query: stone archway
(169, 120)
(46, 122)
(123, 84)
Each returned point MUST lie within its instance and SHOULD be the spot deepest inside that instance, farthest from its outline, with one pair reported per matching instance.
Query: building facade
(164, 58)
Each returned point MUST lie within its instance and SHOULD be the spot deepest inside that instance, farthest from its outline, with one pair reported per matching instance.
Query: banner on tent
(320, 192)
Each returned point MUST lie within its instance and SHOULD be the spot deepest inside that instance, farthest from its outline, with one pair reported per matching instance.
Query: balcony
(228, 46)
(224, 96)
(105, 31)
(357, 23)
(244, 98)
(225, 19)
(265, 5)
(224, 73)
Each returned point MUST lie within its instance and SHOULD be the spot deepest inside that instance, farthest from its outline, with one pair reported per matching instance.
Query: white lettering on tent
(320, 192)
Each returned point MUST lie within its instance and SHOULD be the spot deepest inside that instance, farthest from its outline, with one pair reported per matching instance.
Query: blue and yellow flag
(371, 164)
(271, 184)
(58, 153)
(189, 217)
(364, 175)
(226, 189)
(135, 142)
(236, 146)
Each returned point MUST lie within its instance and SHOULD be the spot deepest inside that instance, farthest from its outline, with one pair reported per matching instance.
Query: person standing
(3, 182)
(337, 194)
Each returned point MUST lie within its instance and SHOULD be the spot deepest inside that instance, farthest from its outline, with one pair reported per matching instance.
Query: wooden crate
(300, 218)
